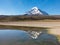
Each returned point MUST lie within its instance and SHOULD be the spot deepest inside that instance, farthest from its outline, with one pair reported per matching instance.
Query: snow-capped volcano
(35, 10)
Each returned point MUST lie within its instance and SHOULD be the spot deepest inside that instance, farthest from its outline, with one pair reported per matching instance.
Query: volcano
(36, 10)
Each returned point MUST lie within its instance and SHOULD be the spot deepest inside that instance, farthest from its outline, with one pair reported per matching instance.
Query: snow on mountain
(35, 10)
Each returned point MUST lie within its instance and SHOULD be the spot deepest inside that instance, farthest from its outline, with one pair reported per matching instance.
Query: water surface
(30, 37)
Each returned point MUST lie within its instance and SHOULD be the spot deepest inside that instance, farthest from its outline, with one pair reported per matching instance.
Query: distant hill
(28, 17)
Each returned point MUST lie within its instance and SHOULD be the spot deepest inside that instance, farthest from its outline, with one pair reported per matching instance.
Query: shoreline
(53, 27)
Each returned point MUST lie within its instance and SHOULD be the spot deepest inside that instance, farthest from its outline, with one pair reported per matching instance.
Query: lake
(26, 37)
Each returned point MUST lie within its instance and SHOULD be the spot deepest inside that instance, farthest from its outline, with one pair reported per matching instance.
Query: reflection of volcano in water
(34, 34)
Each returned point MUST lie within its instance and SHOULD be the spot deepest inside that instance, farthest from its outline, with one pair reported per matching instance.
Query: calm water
(20, 37)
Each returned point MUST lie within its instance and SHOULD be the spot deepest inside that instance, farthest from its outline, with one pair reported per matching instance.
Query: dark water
(20, 37)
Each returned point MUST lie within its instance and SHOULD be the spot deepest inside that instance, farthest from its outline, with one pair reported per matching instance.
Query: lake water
(20, 37)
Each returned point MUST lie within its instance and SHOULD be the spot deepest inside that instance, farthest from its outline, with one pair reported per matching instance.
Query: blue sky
(16, 7)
